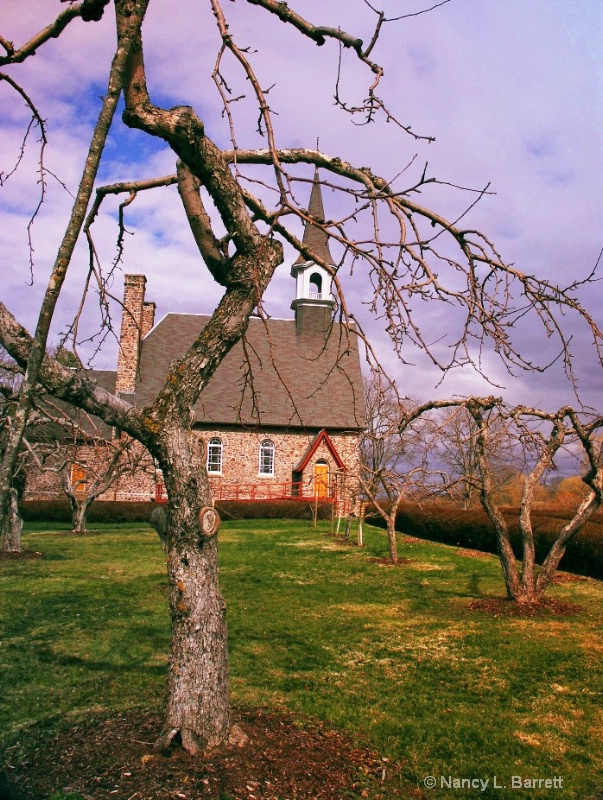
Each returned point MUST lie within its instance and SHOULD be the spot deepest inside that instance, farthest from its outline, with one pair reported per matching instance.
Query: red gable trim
(321, 437)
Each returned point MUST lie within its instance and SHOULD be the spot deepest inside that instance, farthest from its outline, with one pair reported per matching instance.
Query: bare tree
(542, 436)
(76, 447)
(457, 449)
(240, 234)
(391, 461)
(11, 524)
(84, 481)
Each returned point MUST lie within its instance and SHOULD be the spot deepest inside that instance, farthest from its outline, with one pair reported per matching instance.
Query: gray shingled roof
(298, 381)
(88, 424)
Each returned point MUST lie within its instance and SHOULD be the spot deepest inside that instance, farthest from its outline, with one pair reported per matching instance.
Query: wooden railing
(290, 490)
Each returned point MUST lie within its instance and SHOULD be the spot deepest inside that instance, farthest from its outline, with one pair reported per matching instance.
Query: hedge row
(110, 511)
(101, 511)
(472, 529)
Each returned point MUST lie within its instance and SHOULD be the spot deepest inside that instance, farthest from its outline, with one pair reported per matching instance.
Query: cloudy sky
(511, 90)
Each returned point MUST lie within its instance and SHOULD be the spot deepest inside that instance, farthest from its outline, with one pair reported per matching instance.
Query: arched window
(267, 457)
(214, 456)
(316, 286)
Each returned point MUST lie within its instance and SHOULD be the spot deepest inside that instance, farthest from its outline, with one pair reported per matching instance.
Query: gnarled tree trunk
(12, 524)
(198, 702)
(391, 536)
(79, 512)
(198, 705)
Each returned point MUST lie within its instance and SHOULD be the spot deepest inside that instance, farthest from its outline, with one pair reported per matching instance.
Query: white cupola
(312, 281)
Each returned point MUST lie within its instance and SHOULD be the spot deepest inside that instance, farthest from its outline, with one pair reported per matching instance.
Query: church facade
(282, 416)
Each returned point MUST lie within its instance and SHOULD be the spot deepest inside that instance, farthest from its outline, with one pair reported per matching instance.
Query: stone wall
(240, 475)
(46, 483)
(240, 464)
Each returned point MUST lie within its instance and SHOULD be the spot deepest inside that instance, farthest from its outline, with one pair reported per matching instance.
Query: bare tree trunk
(528, 568)
(79, 512)
(391, 537)
(63, 259)
(78, 508)
(587, 508)
(198, 701)
(198, 706)
(505, 551)
(12, 524)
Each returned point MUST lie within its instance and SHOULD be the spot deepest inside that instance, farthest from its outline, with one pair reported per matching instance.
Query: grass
(391, 655)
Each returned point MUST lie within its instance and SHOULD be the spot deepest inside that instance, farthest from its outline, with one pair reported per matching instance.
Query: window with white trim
(267, 457)
(214, 456)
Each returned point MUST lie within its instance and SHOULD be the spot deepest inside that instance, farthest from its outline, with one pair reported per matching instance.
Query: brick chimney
(148, 318)
(136, 320)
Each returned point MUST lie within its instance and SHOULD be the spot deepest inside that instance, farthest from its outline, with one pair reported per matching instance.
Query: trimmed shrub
(100, 511)
(472, 529)
(112, 511)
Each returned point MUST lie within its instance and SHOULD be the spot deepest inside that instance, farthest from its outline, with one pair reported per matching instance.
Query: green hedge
(111, 511)
(100, 511)
(472, 529)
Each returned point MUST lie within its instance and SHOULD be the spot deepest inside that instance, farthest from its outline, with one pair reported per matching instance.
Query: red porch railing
(290, 490)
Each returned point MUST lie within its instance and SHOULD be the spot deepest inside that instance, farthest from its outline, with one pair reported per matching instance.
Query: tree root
(237, 737)
(193, 744)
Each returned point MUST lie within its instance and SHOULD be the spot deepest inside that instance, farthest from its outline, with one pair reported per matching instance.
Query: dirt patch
(341, 539)
(474, 554)
(114, 759)
(568, 577)
(23, 555)
(501, 607)
(386, 562)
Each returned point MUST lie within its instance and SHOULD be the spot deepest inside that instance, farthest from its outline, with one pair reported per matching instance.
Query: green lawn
(391, 655)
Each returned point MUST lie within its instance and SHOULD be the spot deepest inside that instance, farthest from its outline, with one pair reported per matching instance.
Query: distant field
(393, 656)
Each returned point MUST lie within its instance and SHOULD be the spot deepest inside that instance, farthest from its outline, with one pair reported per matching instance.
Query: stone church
(282, 416)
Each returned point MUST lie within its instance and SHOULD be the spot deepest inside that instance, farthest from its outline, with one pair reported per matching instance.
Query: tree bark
(198, 705)
(79, 512)
(508, 561)
(391, 536)
(12, 524)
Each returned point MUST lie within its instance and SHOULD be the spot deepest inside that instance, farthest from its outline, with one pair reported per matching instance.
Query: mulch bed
(387, 562)
(547, 607)
(22, 555)
(474, 554)
(114, 759)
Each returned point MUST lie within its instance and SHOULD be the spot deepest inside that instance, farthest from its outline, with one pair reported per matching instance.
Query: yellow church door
(79, 478)
(321, 480)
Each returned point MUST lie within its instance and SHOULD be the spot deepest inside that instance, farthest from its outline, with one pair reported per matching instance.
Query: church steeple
(316, 238)
(313, 302)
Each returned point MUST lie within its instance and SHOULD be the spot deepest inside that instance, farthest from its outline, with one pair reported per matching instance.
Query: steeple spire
(314, 302)
(315, 238)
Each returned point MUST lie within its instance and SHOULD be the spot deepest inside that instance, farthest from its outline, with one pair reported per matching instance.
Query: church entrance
(321, 479)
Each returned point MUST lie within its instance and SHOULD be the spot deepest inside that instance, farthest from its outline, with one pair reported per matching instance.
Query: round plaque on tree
(209, 521)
